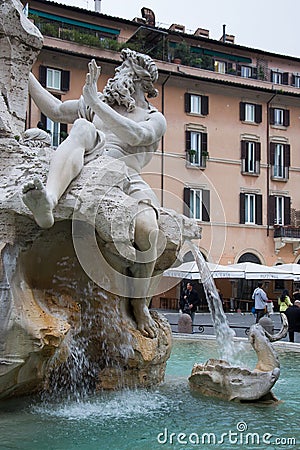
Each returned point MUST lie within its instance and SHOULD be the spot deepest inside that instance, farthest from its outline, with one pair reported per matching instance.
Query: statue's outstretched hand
(90, 92)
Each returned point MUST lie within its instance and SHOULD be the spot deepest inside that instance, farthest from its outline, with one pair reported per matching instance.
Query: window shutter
(186, 202)
(242, 111)
(258, 209)
(293, 80)
(203, 142)
(242, 208)
(187, 141)
(44, 121)
(65, 80)
(187, 102)
(258, 113)
(287, 210)
(244, 145)
(254, 72)
(238, 70)
(203, 149)
(257, 151)
(43, 75)
(205, 205)
(271, 210)
(272, 153)
(287, 155)
(204, 105)
(63, 129)
(272, 116)
(286, 118)
(285, 78)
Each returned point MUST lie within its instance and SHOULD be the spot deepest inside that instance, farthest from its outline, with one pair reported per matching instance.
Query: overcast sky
(271, 25)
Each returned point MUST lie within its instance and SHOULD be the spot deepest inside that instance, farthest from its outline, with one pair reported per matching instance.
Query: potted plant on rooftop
(182, 53)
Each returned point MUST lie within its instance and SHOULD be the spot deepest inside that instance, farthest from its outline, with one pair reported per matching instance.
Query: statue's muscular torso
(137, 156)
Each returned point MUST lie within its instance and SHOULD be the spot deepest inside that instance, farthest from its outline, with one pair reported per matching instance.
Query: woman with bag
(284, 301)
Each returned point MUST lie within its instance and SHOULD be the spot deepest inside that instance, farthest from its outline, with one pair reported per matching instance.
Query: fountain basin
(144, 419)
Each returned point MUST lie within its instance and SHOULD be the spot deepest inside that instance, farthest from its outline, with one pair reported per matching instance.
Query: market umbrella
(293, 269)
(190, 271)
(253, 271)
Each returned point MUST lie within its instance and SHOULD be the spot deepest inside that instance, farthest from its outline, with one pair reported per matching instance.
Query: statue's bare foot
(39, 202)
(145, 323)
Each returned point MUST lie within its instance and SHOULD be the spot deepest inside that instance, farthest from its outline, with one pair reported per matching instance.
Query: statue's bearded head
(136, 67)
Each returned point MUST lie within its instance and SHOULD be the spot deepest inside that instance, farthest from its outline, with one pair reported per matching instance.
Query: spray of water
(229, 349)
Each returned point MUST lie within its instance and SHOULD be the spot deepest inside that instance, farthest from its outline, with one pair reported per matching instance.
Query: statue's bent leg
(65, 165)
(146, 236)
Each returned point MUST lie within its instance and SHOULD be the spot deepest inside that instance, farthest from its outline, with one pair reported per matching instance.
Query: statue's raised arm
(123, 96)
(52, 107)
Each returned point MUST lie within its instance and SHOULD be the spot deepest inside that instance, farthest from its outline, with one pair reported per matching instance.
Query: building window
(197, 204)
(280, 160)
(250, 112)
(246, 72)
(279, 210)
(249, 257)
(279, 77)
(220, 66)
(57, 131)
(251, 208)
(250, 156)
(296, 81)
(279, 117)
(196, 104)
(276, 77)
(278, 167)
(54, 129)
(51, 78)
(196, 148)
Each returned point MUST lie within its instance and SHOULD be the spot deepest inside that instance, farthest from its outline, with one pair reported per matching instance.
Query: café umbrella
(190, 271)
(293, 269)
(253, 271)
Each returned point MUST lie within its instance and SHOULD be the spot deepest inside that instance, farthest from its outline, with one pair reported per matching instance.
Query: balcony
(286, 235)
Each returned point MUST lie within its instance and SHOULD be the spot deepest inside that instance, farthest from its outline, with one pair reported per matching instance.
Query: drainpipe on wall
(162, 171)
(268, 159)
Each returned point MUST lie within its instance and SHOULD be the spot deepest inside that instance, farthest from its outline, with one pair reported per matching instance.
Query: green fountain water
(145, 419)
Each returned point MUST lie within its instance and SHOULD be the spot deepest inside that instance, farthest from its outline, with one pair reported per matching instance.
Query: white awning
(253, 271)
(248, 270)
(293, 269)
(190, 271)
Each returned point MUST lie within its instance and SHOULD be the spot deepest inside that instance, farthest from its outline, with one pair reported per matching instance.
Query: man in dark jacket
(293, 316)
(190, 301)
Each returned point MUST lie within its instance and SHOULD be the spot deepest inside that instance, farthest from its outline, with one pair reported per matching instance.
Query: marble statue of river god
(84, 240)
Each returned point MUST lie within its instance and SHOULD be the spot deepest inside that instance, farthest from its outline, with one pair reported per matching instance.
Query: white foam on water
(125, 404)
